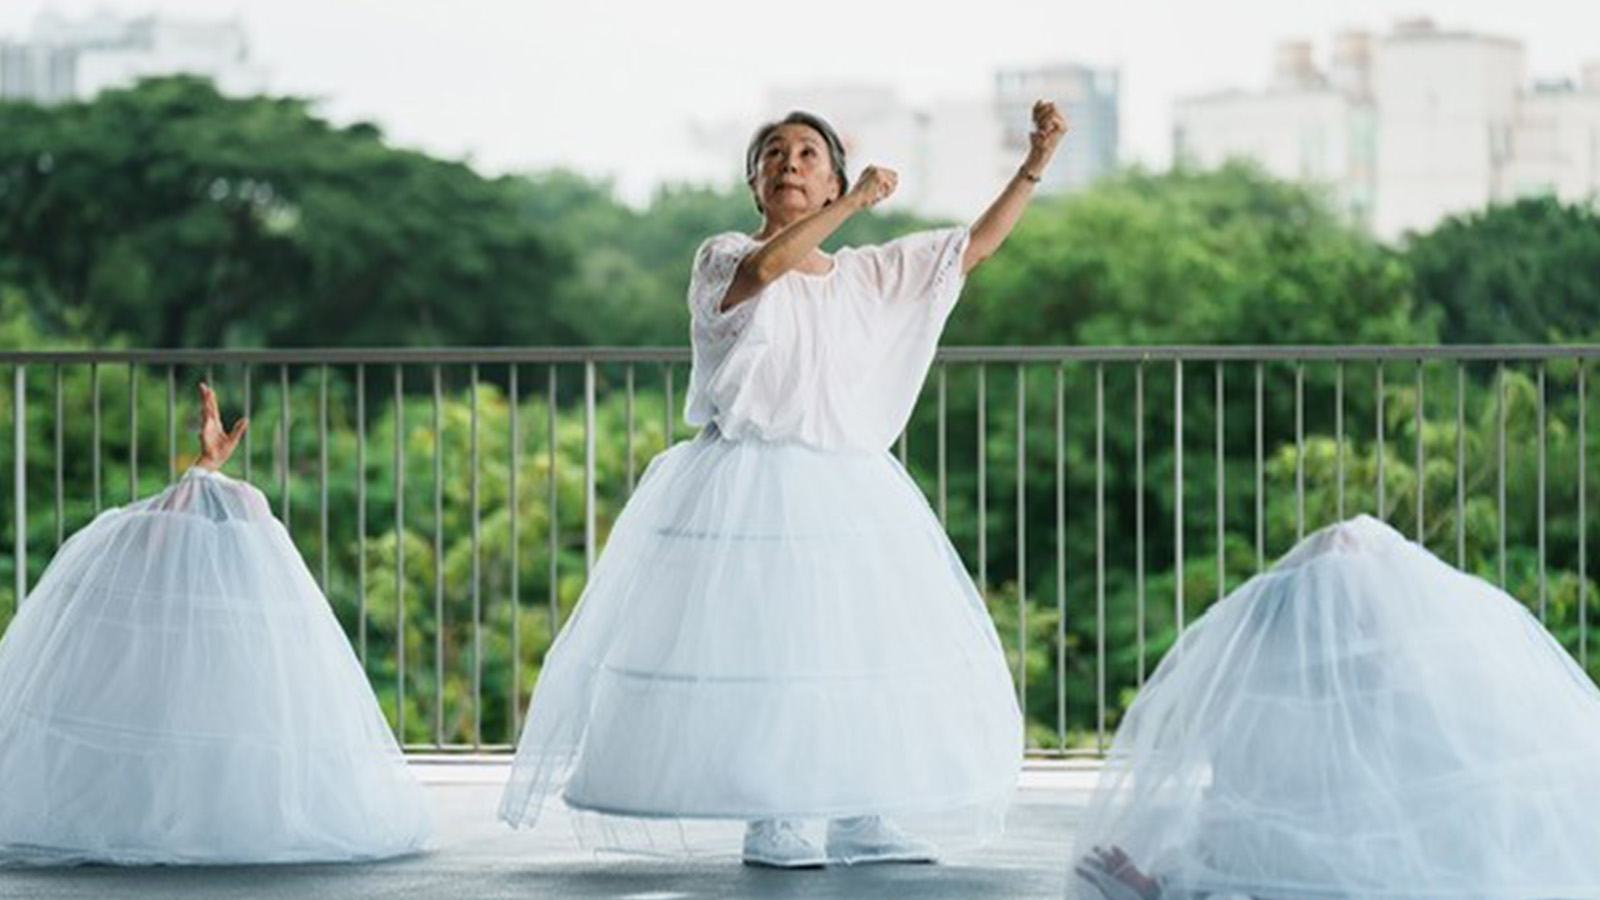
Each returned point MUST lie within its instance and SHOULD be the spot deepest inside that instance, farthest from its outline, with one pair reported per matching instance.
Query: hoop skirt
(1361, 721)
(177, 690)
(778, 627)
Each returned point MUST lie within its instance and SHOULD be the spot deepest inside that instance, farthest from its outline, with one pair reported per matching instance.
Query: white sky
(609, 88)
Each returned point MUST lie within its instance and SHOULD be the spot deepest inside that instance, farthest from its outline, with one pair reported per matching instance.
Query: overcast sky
(609, 88)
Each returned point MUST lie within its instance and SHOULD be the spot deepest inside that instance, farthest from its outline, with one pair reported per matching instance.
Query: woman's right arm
(798, 240)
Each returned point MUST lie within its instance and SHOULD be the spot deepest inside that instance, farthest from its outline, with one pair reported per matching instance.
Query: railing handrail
(386, 387)
(949, 353)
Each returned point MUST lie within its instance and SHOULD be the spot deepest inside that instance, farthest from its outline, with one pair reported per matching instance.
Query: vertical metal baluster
(514, 501)
(1382, 509)
(1222, 474)
(477, 574)
(1461, 465)
(983, 478)
(172, 423)
(944, 496)
(588, 468)
(1177, 498)
(249, 439)
(1544, 599)
(671, 419)
(628, 413)
(1261, 472)
(1100, 554)
(283, 441)
(1338, 433)
(19, 478)
(1583, 517)
(94, 392)
(1141, 616)
(1422, 466)
(399, 554)
(322, 473)
(361, 510)
(555, 522)
(1299, 449)
(438, 557)
(1061, 557)
(133, 432)
(1022, 534)
(61, 519)
(1500, 413)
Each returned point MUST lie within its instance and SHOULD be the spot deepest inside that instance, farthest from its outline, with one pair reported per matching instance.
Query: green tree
(1524, 272)
(177, 216)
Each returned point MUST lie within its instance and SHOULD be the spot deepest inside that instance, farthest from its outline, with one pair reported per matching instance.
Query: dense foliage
(170, 216)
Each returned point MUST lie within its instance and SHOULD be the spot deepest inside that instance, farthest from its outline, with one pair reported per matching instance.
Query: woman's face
(795, 175)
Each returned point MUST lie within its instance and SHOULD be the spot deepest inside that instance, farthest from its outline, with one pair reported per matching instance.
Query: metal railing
(1057, 622)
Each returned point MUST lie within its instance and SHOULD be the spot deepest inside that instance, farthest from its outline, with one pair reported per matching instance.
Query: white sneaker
(872, 839)
(779, 844)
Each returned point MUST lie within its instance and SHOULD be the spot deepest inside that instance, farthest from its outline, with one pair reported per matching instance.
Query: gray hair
(752, 153)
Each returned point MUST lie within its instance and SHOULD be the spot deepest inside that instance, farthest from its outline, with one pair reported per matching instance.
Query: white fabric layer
(778, 626)
(177, 690)
(832, 360)
(1361, 721)
(773, 631)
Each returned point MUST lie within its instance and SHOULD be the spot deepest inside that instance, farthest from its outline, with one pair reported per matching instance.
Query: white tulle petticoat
(773, 631)
(1361, 721)
(176, 690)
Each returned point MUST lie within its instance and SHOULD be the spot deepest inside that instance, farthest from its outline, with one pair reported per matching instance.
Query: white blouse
(835, 360)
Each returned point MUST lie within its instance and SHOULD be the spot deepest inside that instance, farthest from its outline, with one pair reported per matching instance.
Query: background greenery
(169, 216)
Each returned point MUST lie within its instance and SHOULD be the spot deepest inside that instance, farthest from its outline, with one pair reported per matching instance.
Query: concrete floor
(474, 856)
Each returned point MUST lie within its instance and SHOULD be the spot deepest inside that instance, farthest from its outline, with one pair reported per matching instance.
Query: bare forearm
(794, 243)
(990, 230)
(787, 249)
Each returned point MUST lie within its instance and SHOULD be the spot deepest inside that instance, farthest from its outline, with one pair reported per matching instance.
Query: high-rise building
(1090, 98)
(1447, 105)
(1310, 126)
(66, 58)
(37, 72)
(1408, 128)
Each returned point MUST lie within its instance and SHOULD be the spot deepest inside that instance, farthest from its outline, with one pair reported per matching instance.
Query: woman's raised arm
(792, 243)
(991, 229)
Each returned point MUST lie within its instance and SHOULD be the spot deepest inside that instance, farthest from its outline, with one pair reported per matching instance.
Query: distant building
(1089, 97)
(1408, 128)
(1308, 126)
(65, 58)
(37, 72)
(953, 155)
(1556, 141)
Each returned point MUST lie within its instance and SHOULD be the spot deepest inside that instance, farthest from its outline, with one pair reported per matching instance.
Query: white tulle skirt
(772, 631)
(177, 690)
(1362, 721)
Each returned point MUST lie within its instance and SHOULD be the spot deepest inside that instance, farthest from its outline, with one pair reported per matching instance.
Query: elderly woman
(779, 633)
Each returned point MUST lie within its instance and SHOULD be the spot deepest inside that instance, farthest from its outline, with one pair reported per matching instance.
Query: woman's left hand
(1049, 127)
(216, 445)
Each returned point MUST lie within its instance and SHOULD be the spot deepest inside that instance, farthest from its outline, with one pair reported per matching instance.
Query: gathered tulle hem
(39, 856)
(1363, 721)
(1224, 889)
(920, 806)
(948, 829)
(177, 691)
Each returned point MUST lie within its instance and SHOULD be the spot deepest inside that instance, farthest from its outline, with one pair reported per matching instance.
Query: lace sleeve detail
(714, 266)
(921, 267)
